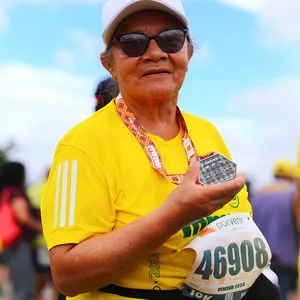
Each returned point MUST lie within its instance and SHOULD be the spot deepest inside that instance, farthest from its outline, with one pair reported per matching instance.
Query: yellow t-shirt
(101, 180)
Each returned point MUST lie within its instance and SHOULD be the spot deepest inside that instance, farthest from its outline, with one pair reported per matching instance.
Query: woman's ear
(190, 50)
(107, 64)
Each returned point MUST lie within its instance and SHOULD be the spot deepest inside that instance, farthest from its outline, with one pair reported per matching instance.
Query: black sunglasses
(136, 44)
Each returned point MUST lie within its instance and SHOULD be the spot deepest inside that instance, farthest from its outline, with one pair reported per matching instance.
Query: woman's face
(156, 75)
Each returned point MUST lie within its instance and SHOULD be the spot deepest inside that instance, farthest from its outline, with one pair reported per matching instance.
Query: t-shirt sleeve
(76, 202)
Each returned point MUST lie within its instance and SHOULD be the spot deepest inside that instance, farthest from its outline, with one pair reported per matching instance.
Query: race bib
(231, 254)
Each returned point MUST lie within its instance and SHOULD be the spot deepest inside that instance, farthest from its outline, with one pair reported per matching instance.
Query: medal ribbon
(149, 147)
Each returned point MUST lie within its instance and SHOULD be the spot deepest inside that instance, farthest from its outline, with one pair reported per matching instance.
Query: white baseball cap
(115, 11)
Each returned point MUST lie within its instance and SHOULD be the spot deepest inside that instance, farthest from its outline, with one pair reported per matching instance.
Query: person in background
(39, 248)
(124, 189)
(297, 205)
(3, 267)
(249, 188)
(273, 210)
(3, 271)
(106, 90)
(19, 256)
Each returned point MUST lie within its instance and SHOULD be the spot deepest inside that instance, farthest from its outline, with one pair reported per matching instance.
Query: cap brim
(135, 7)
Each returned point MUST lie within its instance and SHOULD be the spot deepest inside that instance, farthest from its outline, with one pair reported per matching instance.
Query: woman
(114, 217)
(19, 255)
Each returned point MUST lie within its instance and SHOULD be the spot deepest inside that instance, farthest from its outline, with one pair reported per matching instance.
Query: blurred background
(244, 77)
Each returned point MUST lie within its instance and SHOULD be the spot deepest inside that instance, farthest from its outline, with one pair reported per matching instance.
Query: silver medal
(216, 168)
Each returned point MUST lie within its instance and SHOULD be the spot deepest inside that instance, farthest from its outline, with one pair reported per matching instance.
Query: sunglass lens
(134, 44)
(171, 41)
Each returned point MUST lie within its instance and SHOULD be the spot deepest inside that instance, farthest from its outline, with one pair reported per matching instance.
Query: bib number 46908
(233, 259)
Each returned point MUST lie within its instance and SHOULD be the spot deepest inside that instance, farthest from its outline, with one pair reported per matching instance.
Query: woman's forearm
(99, 261)
(31, 223)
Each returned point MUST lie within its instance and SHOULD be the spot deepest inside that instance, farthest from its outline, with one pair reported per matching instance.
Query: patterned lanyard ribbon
(149, 147)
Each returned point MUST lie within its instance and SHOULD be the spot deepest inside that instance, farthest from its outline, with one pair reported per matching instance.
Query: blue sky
(244, 76)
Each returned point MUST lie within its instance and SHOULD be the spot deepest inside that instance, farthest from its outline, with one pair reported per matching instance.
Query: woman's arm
(22, 214)
(100, 260)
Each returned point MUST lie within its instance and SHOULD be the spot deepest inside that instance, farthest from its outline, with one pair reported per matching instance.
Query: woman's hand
(192, 201)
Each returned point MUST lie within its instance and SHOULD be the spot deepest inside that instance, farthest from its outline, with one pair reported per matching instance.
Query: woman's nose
(154, 52)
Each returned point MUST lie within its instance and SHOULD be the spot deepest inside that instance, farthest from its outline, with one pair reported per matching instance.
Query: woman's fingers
(192, 174)
(226, 189)
(194, 201)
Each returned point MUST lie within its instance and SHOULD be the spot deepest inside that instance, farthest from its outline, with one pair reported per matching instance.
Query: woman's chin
(159, 94)
(159, 91)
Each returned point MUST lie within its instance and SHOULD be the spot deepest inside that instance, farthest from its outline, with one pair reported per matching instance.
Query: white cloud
(38, 106)
(270, 131)
(248, 5)
(279, 20)
(278, 101)
(65, 58)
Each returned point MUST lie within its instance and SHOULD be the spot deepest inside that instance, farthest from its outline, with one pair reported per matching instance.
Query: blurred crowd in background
(24, 262)
(24, 258)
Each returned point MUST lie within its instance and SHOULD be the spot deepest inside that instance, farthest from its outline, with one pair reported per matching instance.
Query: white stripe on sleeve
(57, 195)
(73, 192)
(64, 195)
